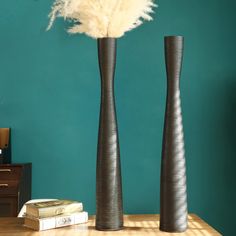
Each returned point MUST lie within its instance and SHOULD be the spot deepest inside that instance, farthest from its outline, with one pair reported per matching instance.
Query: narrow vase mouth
(106, 38)
(174, 36)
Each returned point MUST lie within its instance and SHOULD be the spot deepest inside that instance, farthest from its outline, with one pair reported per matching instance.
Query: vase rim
(106, 38)
(174, 36)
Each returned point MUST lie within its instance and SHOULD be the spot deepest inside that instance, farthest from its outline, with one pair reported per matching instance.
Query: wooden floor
(134, 225)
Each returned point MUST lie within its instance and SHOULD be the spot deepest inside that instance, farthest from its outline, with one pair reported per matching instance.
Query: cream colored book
(56, 222)
(53, 208)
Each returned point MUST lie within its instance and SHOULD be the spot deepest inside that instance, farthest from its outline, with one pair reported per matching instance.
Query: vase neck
(173, 59)
(173, 85)
(107, 57)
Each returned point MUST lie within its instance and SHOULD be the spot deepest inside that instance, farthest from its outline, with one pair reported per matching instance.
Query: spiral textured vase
(109, 212)
(173, 208)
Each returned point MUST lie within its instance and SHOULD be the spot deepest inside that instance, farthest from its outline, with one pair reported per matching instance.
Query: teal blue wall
(49, 96)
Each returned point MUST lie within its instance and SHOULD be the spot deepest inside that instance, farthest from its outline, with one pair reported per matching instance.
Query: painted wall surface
(50, 97)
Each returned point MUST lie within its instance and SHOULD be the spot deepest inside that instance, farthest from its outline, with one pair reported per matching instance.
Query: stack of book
(53, 214)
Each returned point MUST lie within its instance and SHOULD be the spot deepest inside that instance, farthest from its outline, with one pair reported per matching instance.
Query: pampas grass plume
(102, 18)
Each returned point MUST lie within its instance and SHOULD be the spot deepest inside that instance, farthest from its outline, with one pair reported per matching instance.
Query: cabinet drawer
(8, 188)
(10, 173)
(8, 206)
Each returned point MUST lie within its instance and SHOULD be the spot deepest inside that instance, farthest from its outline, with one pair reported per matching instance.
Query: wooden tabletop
(134, 225)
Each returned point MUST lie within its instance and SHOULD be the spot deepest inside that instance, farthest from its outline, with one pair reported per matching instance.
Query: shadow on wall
(219, 206)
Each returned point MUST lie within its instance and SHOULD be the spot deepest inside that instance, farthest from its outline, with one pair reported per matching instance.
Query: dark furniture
(5, 146)
(15, 187)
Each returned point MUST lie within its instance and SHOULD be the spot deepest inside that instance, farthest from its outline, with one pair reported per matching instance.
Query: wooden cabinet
(15, 187)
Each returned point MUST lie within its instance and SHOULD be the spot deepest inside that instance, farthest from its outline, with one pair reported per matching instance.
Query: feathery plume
(102, 18)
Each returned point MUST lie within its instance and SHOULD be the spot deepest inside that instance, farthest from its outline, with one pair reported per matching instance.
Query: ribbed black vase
(109, 212)
(173, 208)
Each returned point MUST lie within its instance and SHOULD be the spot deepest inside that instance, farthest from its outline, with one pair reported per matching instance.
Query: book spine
(59, 210)
(71, 220)
(58, 221)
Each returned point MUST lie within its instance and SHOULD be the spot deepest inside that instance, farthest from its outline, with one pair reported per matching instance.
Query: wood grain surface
(133, 225)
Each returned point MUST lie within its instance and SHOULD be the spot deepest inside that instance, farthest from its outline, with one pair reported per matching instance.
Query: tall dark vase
(109, 212)
(173, 209)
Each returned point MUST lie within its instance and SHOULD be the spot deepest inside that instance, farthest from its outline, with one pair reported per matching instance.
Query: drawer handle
(5, 170)
(3, 185)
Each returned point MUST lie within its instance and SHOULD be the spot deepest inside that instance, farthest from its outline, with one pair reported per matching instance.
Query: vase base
(171, 229)
(100, 228)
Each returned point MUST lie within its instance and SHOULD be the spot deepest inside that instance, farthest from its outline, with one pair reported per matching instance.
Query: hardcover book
(53, 208)
(56, 222)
